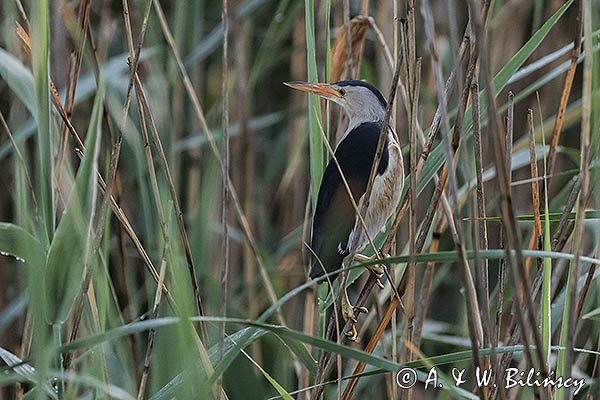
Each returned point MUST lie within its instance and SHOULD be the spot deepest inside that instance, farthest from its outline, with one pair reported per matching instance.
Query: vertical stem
(569, 327)
(546, 298)
(489, 336)
(60, 383)
(225, 175)
(348, 61)
(509, 133)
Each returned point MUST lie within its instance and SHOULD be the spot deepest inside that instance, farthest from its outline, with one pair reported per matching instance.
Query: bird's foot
(350, 312)
(378, 269)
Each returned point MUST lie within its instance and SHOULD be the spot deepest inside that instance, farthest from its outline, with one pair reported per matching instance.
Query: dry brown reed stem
(247, 159)
(489, 337)
(535, 191)
(578, 242)
(151, 170)
(451, 148)
(510, 120)
(23, 14)
(349, 66)
(499, 315)
(364, 10)
(163, 227)
(536, 234)
(73, 75)
(152, 332)
(394, 246)
(225, 173)
(513, 245)
(427, 281)
(413, 77)
(585, 290)
(564, 221)
(564, 99)
(76, 57)
(203, 124)
(410, 272)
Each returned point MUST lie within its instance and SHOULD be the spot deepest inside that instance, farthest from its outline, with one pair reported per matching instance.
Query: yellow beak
(324, 90)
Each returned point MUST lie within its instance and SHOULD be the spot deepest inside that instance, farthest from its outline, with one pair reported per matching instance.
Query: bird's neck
(366, 113)
(358, 119)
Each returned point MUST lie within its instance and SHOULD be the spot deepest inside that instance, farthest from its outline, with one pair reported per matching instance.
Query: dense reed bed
(158, 182)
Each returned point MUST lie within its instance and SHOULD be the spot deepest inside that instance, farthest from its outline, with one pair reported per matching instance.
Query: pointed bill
(324, 90)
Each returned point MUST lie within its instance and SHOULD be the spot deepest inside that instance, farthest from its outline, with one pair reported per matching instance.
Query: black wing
(334, 215)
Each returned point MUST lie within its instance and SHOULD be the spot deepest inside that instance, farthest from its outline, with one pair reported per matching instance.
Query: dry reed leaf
(24, 36)
(359, 26)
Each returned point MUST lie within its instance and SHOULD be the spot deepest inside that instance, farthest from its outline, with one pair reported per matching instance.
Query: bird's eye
(342, 91)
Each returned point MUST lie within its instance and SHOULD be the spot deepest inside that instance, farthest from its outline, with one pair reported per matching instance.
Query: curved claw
(352, 334)
(361, 309)
(378, 269)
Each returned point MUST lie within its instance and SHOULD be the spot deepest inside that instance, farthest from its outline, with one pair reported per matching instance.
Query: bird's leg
(349, 313)
(377, 269)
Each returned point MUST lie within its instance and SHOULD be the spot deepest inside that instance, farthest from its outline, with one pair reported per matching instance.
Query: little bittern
(335, 221)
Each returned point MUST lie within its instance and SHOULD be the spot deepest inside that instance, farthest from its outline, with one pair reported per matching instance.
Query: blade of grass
(546, 300)
(20, 80)
(317, 152)
(17, 242)
(40, 41)
(24, 371)
(282, 392)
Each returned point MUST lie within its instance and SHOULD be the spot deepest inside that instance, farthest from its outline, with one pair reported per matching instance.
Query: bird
(335, 222)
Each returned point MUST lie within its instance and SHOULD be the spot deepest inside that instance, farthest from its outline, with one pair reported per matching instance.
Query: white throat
(367, 113)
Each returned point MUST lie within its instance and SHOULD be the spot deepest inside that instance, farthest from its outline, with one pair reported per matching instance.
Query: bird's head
(361, 101)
